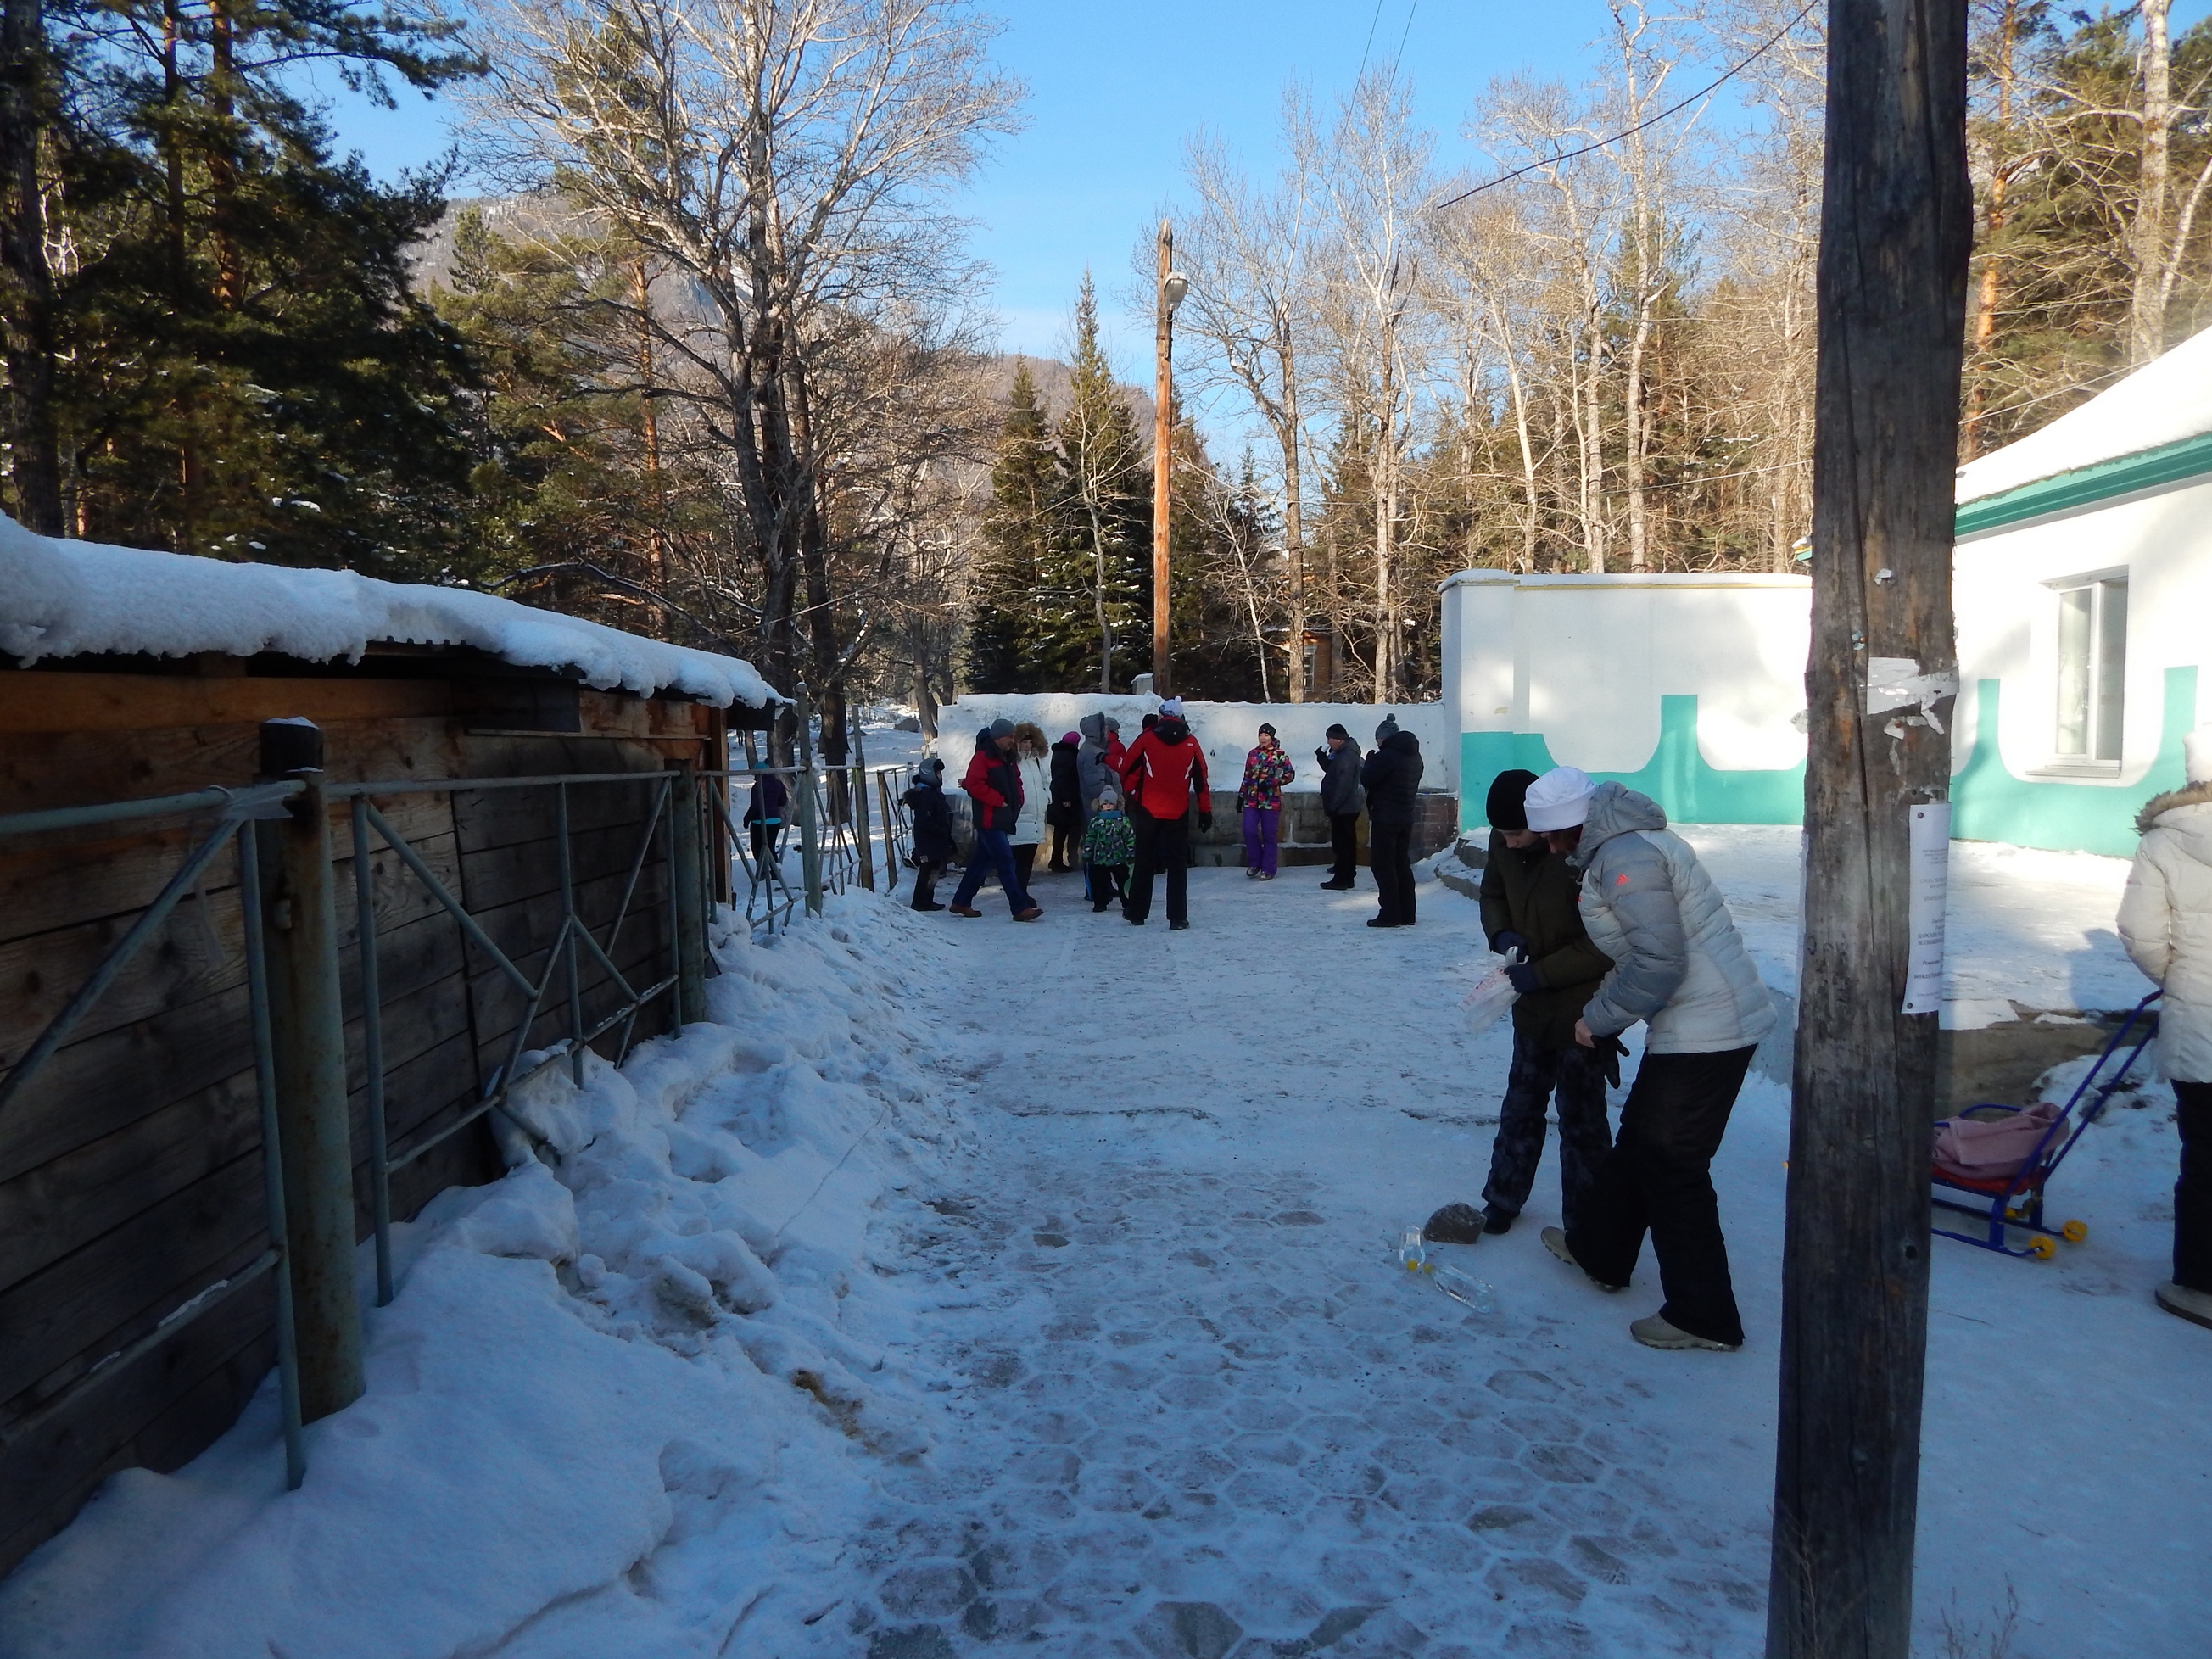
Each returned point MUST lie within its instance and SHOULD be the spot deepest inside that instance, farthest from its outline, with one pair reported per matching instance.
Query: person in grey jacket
(1681, 969)
(1093, 771)
(1341, 798)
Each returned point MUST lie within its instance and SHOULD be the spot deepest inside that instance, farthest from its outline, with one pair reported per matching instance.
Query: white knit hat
(1171, 710)
(1559, 799)
(2196, 754)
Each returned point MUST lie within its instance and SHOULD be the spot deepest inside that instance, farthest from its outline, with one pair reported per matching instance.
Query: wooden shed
(132, 1179)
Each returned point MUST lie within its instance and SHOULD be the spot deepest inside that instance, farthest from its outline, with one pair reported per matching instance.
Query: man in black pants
(1391, 775)
(1166, 774)
(1680, 967)
(1342, 798)
(1528, 907)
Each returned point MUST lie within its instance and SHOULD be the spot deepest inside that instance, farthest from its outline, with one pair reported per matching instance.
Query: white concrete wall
(1583, 662)
(1227, 731)
(2009, 621)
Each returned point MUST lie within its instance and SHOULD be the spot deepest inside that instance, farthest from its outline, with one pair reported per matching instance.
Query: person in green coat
(1530, 904)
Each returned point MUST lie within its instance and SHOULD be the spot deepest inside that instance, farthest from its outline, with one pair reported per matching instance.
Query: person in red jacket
(994, 783)
(1166, 771)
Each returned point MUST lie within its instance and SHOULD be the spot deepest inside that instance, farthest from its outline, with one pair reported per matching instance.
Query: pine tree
(1092, 600)
(1017, 534)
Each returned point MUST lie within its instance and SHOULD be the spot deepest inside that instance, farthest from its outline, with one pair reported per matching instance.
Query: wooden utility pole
(1881, 685)
(1162, 452)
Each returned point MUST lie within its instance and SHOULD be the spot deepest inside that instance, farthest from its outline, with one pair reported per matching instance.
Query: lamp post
(1169, 295)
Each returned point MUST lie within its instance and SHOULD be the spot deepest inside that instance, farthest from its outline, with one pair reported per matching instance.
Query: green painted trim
(1990, 804)
(2175, 462)
(1677, 775)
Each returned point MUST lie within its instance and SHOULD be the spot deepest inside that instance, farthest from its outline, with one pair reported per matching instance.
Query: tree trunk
(2146, 304)
(1385, 512)
(33, 438)
(1896, 230)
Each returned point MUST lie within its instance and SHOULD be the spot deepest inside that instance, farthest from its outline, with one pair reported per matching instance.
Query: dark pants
(1105, 883)
(1390, 856)
(1658, 1179)
(925, 884)
(1575, 1077)
(1066, 843)
(2192, 1193)
(992, 856)
(1344, 846)
(1026, 862)
(1161, 844)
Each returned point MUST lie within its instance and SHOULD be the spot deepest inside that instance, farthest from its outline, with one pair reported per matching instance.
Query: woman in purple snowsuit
(1266, 770)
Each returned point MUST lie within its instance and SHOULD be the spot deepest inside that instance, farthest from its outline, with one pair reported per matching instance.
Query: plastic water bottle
(1473, 1293)
(1413, 1251)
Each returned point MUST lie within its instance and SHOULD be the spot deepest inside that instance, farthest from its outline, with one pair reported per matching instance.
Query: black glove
(1510, 940)
(1205, 823)
(1524, 976)
(1611, 1052)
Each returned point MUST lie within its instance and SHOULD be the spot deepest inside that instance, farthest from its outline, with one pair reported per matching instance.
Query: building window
(2093, 665)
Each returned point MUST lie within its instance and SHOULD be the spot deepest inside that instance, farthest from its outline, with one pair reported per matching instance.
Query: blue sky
(1116, 88)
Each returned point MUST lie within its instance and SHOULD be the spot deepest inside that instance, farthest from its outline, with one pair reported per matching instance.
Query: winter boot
(965, 910)
(2195, 1306)
(1029, 915)
(1555, 1241)
(1654, 1332)
(1455, 1223)
(1495, 1220)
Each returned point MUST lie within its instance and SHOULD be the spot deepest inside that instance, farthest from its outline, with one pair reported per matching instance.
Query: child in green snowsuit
(1110, 845)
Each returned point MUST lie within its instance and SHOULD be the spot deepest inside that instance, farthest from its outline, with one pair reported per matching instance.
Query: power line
(1370, 46)
(1733, 70)
(1403, 34)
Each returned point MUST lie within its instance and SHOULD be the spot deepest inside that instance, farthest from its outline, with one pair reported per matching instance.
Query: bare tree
(790, 161)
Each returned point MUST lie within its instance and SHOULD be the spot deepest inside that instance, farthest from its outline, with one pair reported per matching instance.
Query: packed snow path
(1200, 1412)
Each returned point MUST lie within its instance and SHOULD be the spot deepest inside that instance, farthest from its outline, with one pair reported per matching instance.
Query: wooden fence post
(687, 878)
(1895, 229)
(307, 1022)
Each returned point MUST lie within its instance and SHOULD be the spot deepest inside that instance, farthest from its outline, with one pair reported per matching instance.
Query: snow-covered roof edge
(67, 599)
(2166, 402)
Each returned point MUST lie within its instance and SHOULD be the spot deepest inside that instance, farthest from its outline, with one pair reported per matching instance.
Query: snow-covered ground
(1076, 1329)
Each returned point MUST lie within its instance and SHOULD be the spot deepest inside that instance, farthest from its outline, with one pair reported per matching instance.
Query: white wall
(2009, 621)
(1226, 731)
(1582, 661)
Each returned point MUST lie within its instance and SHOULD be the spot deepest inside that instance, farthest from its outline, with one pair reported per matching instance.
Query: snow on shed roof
(67, 598)
(2165, 402)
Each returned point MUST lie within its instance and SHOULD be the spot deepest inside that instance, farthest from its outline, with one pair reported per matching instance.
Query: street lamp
(1173, 285)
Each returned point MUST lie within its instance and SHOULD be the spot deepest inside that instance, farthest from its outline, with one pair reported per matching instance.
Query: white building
(2083, 590)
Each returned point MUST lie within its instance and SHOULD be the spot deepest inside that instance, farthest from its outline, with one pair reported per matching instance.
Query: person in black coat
(1340, 801)
(1065, 812)
(1391, 775)
(933, 831)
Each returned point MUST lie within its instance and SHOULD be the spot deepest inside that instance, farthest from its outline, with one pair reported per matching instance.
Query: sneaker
(1029, 915)
(1555, 1241)
(2195, 1306)
(1266, 875)
(964, 910)
(1251, 875)
(1455, 1223)
(1178, 927)
(1495, 1220)
(1654, 1332)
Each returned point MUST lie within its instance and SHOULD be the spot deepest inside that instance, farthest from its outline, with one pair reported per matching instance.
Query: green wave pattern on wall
(1990, 804)
(1676, 775)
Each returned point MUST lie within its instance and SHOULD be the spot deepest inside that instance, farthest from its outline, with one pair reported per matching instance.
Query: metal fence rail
(671, 799)
(237, 810)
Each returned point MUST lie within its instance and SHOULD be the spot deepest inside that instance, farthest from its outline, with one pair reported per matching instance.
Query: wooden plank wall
(130, 1168)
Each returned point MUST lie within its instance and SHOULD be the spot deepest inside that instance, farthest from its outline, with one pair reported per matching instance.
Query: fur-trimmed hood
(2192, 794)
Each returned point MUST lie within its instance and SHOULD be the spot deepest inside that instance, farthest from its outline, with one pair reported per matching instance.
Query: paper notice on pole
(1930, 860)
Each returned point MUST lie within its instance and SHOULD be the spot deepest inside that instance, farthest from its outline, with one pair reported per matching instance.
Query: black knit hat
(1339, 732)
(1268, 729)
(1503, 806)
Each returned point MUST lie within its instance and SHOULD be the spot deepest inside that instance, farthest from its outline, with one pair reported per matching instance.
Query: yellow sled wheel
(2043, 1247)
(2075, 1231)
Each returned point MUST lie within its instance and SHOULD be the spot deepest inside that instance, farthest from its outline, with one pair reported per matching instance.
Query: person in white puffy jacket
(1034, 755)
(1681, 969)
(2165, 922)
